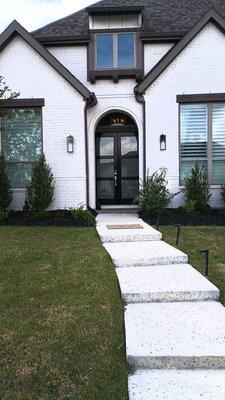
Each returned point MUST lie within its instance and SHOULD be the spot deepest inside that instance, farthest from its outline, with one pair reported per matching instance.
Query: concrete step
(178, 282)
(144, 254)
(177, 385)
(132, 230)
(183, 335)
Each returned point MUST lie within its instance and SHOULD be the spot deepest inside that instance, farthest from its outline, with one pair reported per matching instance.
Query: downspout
(90, 102)
(140, 99)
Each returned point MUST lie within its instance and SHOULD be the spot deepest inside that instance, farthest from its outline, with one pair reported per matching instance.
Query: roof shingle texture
(160, 16)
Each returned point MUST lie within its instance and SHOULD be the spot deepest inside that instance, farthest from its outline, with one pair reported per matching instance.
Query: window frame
(115, 48)
(209, 159)
(21, 104)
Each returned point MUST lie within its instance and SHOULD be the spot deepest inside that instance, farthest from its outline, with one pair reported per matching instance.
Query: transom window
(21, 143)
(202, 138)
(115, 51)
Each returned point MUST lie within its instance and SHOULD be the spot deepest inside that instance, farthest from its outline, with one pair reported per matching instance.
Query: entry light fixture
(70, 144)
(162, 142)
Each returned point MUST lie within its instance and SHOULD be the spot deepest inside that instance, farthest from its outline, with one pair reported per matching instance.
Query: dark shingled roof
(160, 17)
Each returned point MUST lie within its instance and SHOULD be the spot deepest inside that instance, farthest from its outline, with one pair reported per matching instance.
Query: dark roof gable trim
(92, 10)
(211, 16)
(16, 29)
(201, 98)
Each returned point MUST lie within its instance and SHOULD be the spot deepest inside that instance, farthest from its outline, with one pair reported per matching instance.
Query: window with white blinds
(202, 138)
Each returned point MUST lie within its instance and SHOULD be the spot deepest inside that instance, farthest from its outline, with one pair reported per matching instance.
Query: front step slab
(177, 385)
(144, 254)
(144, 233)
(181, 335)
(178, 282)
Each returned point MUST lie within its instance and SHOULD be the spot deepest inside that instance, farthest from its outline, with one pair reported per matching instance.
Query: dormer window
(115, 51)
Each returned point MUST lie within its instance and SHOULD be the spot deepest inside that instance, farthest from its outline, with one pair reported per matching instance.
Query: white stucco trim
(92, 125)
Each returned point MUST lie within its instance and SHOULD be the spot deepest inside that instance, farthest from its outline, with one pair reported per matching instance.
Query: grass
(61, 324)
(194, 239)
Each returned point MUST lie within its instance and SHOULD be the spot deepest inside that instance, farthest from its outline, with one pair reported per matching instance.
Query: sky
(33, 14)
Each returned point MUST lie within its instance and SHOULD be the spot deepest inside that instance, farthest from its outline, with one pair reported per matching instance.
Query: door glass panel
(129, 167)
(105, 189)
(129, 145)
(129, 188)
(105, 168)
(106, 146)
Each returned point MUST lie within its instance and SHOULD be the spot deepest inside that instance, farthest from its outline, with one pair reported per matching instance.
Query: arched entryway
(117, 159)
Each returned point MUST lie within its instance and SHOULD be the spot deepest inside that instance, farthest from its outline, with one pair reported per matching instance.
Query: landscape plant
(82, 216)
(154, 196)
(223, 193)
(5, 192)
(40, 191)
(197, 189)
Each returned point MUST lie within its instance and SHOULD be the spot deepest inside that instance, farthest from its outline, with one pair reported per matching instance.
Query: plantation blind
(218, 144)
(193, 137)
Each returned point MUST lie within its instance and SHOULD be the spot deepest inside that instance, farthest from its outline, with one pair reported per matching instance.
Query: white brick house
(138, 85)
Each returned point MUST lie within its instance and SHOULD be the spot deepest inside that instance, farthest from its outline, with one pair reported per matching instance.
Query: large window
(21, 143)
(115, 51)
(202, 138)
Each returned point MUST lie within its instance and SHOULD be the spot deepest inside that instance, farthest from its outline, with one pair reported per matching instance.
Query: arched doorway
(117, 159)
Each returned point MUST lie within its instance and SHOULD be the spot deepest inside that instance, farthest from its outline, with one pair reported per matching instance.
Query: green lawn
(192, 240)
(61, 323)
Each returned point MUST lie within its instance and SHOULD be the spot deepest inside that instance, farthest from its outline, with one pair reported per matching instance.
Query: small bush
(40, 191)
(189, 207)
(43, 216)
(223, 192)
(197, 188)
(153, 195)
(5, 192)
(82, 216)
(3, 216)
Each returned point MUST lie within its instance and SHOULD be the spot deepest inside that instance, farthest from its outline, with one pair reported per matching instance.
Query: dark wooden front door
(117, 167)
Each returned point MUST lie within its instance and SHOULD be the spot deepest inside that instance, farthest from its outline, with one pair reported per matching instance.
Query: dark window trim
(22, 103)
(115, 30)
(116, 73)
(201, 98)
(209, 158)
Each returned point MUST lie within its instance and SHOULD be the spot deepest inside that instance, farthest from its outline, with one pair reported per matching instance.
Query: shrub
(40, 191)
(5, 192)
(82, 216)
(223, 192)
(197, 189)
(43, 215)
(189, 207)
(3, 216)
(153, 195)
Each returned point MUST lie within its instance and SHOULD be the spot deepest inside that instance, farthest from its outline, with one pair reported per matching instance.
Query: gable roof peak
(210, 16)
(14, 28)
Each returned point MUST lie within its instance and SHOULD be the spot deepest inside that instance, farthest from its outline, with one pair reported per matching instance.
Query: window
(115, 51)
(21, 143)
(202, 138)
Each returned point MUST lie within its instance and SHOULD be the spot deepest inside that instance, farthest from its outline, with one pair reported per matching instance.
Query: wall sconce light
(70, 144)
(162, 142)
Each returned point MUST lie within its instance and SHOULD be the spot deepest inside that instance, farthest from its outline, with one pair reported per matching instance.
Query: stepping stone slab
(179, 335)
(133, 230)
(177, 385)
(178, 282)
(144, 254)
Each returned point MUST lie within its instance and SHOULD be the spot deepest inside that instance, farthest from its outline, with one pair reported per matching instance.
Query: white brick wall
(27, 72)
(198, 69)
(153, 53)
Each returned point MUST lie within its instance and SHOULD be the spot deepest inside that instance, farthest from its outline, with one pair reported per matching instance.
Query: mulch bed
(214, 217)
(56, 218)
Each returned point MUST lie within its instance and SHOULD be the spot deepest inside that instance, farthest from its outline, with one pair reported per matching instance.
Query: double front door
(117, 167)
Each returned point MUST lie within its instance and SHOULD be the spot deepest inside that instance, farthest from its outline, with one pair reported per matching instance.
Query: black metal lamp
(70, 144)
(162, 142)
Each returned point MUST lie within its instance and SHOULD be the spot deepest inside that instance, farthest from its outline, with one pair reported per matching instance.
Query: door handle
(115, 177)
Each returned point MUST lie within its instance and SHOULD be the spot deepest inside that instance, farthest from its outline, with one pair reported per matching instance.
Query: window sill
(211, 186)
(116, 74)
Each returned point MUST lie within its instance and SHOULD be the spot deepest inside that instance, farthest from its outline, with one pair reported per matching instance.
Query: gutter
(141, 100)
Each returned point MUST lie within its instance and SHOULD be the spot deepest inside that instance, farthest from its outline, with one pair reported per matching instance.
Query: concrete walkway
(174, 323)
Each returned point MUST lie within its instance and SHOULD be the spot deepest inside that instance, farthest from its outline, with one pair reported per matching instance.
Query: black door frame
(116, 131)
